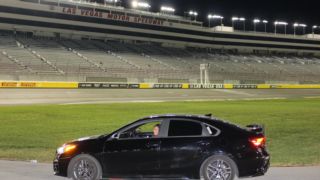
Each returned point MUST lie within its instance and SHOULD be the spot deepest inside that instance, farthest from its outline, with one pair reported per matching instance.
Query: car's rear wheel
(84, 167)
(218, 167)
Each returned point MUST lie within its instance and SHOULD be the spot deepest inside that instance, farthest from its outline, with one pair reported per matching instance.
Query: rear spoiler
(260, 129)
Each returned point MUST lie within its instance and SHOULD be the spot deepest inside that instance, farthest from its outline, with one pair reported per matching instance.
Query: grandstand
(70, 40)
(43, 58)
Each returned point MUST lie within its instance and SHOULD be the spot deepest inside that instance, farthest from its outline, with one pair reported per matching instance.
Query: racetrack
(10, 170)
(27, 171)
(97, 96)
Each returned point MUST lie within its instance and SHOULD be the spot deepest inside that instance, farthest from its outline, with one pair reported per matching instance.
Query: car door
(131, 157)
(182, 150)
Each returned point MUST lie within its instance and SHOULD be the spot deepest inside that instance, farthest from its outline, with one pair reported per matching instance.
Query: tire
(218, 167)
(84, 167)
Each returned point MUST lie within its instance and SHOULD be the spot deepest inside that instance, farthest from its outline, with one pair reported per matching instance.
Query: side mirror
(115, 136)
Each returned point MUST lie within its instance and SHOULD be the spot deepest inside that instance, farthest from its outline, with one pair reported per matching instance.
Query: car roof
(187, 116)
(202, 118)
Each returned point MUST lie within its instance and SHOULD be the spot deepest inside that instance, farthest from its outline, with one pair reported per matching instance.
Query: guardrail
(93, 85)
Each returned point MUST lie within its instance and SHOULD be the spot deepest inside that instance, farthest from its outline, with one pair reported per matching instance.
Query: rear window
(184, 128)
(211, 130)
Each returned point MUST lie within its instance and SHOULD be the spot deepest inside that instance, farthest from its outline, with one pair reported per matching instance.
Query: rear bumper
(60, 167)
(254, 166)
(265, 164)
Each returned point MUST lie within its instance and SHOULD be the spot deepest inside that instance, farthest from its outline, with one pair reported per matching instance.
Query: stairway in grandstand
(112, 59)
(17, 52)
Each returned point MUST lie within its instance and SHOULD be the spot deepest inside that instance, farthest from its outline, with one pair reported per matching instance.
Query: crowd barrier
(88, 85)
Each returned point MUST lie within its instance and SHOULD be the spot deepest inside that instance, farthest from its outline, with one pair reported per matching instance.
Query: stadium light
(276, 23)
(193, 14)
(235, 18)
(265, 22)
(241, 19)
(314, 28)
(213, 17)
(255, 22)
(166, 9)
(114, 2)
(142, 5)
(295, 25)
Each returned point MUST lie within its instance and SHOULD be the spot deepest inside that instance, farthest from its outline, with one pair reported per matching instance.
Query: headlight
(66, 148)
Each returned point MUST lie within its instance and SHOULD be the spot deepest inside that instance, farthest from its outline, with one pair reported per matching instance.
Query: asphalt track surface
(96, 96)
(10, 170)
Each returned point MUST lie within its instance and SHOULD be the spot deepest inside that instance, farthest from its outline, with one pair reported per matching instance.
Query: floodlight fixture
(167, 9)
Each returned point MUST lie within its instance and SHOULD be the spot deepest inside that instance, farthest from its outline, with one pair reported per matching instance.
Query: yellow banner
(31, 84)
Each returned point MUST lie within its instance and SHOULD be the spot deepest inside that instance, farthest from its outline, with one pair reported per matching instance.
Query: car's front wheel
(218, 167)
(84, 167)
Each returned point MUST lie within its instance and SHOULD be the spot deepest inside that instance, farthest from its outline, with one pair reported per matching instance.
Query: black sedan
(167, 147)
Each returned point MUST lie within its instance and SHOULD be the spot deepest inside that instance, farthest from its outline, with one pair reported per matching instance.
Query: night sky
(306, 11)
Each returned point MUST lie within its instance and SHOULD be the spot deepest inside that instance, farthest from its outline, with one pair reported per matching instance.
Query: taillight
(258, 141)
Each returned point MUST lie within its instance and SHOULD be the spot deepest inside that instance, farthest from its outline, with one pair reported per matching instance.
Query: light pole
(313, 29)
(304, 28)
(276, 23)
(194, 14)
(233, 20)
(295, 25)
(265, 22)
(242, 19)
(244, 23)
(255, 22)
(209, 18)
(213, 17)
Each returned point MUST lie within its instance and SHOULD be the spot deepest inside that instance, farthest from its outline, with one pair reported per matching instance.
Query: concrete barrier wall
(75, 85)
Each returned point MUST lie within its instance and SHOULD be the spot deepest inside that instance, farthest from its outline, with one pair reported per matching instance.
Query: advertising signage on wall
(108, 85)
(113, 16)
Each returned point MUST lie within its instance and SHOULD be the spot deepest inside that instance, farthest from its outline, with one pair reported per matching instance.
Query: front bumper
(60, 166)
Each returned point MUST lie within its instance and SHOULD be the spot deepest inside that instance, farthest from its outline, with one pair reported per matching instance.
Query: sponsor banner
(206, 86)
(28, 84)
(264, 86)
(295, 86)
(185, 86)
(163, 86)
(167, 86)
(109, 86)
(245, 86)
(58, 85)
(8, 84)
(145, 86)
(228, 86)
(17, 84)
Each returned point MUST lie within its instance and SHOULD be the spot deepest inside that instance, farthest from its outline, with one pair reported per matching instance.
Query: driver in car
(156, 130)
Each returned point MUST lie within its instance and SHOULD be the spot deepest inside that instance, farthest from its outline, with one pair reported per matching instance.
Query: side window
(184, 128)
(211, 131)
(149, 127)
(146, 130)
